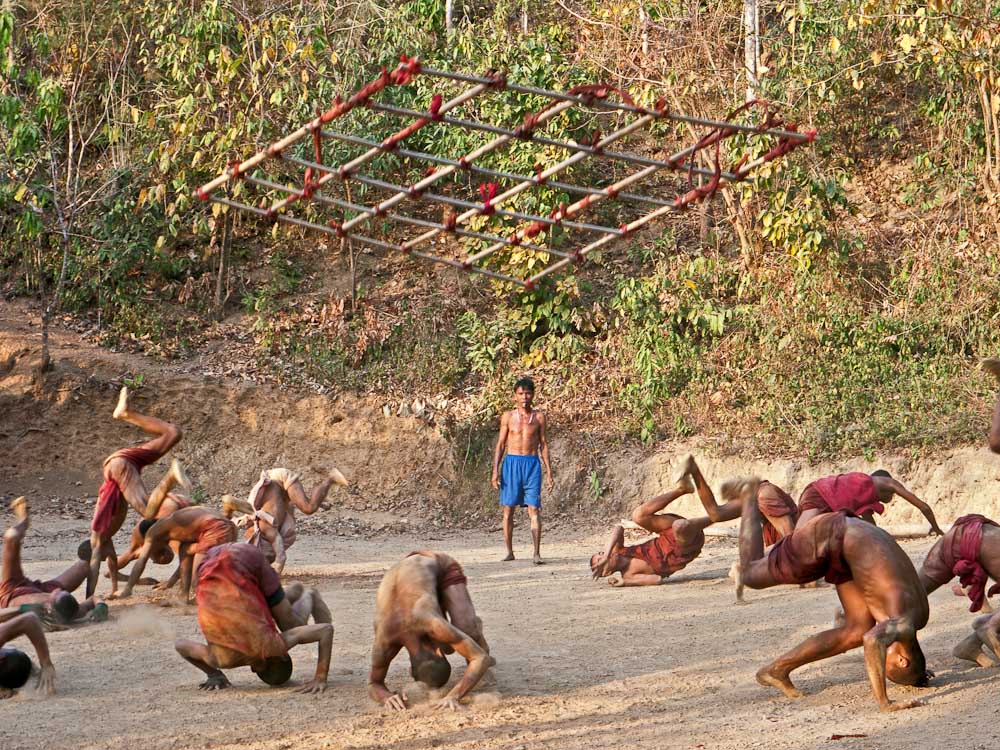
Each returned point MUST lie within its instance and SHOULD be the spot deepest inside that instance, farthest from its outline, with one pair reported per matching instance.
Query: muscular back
(184, 525)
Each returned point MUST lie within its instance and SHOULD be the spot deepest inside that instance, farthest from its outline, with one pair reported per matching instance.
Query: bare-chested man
(54, 598)
(992, 366)
(883, 598)
(970, 551)
(248, 620)
(197, 530)
(173, 501)
(410, 612)
(270, 510)
(519, 479)
(679, 540)
(15, 665)
(860, 494)
(123, 487)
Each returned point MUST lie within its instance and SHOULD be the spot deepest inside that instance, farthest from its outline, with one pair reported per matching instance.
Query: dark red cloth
(775, 503)
(234, 582)
(16, 587)
(110, 497)
(211, 534)
(452, 575)
(854, 492)
(957, 554)
(664, 554)
(811, 552)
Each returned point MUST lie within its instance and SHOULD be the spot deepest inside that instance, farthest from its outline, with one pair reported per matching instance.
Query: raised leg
(10, 568)
(310, 505)
(718, 513)
(175, 476)
(646, 515)
(167, 434)
(71, 578)
(535, 518)
(508, 531)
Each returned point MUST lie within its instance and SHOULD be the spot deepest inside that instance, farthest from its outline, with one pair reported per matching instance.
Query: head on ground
(163, 556)
(64, 605)
(15, 668)
(146, 525)
(905, 665)
(275, 670)
(601, 567)
(884, 493)
(430, 667)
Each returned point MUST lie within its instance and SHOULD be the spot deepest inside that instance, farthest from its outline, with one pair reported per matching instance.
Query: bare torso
(185, 525)
(524, 432)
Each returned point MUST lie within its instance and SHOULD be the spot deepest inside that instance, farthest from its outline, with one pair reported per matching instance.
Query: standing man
(522, 438)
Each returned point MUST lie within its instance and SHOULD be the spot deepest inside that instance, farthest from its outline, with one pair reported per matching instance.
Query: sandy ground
(580, 665)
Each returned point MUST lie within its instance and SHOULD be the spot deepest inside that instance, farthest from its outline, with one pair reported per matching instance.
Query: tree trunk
(751, 46)
(449, 11)
(222, 279)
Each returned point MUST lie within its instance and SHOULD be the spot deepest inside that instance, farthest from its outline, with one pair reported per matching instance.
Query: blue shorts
(521, 481)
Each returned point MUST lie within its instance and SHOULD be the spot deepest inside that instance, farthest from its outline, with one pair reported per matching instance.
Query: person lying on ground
(123, 487)
(423, 605)
(52, 600)
(249, 620)
(679, 540)
(883, 598)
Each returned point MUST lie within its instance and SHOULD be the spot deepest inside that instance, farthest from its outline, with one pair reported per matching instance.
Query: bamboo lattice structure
(486, 225)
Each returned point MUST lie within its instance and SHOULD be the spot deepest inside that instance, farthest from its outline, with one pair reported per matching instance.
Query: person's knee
(11, 535)
(640, 517)
(173, 434)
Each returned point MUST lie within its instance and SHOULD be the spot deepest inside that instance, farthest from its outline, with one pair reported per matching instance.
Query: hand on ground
(312, 688)
(446, 703)
(215, 682)
(396, 701)
(46, 680)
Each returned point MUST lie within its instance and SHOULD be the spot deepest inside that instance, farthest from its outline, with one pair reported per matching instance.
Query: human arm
(917, 503)
(135, 574)
(443, 632)
(603, 567)
(322, 633)
(543, 450)
(382, 656)
(200, 656)
(500, 449)
(876, 643)
(30, 626)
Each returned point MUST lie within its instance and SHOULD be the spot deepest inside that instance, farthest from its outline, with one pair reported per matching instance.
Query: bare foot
(121, 410)
(972, 652)
(992, 366)
(537, 560)
(510, 556)
(768, 679)
(337, 477)
(684, 481)
(19, 507)
(736, 573)
(179, 475)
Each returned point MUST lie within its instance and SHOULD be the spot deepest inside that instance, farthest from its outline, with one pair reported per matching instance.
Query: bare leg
(175, 476)
(716, 512)
(646, 514)
(10, 569)
(167, 435)
(971, 649)
(71, 578)
(306, 603)
(992, 366)
(309, 506)
(987, 629)
(508, 531)
(535, 517)
(823, 645)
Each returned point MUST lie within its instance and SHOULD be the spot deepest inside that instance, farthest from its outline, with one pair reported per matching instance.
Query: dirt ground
(580, 665)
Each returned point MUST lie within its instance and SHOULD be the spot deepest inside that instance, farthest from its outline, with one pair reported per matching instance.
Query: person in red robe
(883, 597)
(173, 501)
(678, 540)
(197, 530)
(859, 494)
(53, 599)
(123, 487)
(970, 551)
(249, 620)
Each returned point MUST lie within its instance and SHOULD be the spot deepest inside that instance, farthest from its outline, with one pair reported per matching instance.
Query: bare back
(184, 525)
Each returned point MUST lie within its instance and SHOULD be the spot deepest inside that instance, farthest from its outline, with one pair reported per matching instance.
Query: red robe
(110, 497)
(854, 493)
(664, 554)
(234, 584)
(957, 554)
(776, 503)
